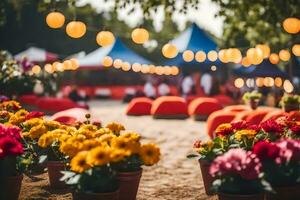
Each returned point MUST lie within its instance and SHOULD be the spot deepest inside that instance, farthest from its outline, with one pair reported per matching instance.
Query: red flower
(9, 146)
(266, 150)
(11, 131)
(239, 125)
(295, 129)
(197, 144)
(34, 114)
(271, 126)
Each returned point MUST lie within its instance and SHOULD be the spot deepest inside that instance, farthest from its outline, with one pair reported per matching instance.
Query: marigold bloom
(224, 129)
(78, 163)
(150, 154)
(98, 156)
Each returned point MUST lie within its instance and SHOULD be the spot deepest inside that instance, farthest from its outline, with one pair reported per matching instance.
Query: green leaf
(191, 156)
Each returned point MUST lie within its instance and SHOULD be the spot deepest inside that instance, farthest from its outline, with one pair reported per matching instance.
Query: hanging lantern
(259, 82)
(151, 69)
(236, 55)
(67, 65)
(288, 86)
(49, 68)
(145, 69)
(36, 69)
(291, 25)
(58, 66)
(75, 64)
(118, 63)
(126, 66)
(200, 56)
(274, 58)
(239, 82)
(255, 56)
(136, 67)
(75, 29)
(212, 56)
(278, 82)
(169, 50)
(223, 55)
(140, 35)
(107, 61)
(284, 55)
(265, 49)
(296, 49)
(246, 62)
(174, 70)
(188, 56)
(55, 20)
(105, 38)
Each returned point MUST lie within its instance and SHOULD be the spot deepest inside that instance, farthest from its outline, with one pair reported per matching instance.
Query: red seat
(256, 116)
(294, 115)
(237, 108)
(169, 107)
(217, 118)
(52, 104)
(28, 99)
(241, 115)
(202, 107)
(70, 116)
(224, 100)
(273, 115)
(139, 106)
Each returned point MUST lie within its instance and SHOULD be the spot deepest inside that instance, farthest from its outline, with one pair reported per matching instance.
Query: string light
(169, 50)
(188, 56)
(140, 35)
(284, 55)
(36, 69)
(239, 82)
(274, 58)
(107, 61)
(105, 38)
(200, 56)
(55, 20)
(212, 55)
(76, 29)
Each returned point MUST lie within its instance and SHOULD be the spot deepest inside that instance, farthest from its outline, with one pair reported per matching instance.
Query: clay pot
(224, 196)
(290, 107)
(96, 196)
(14, 187)
(206, 177)
(129, 184)
(54, 172)
(286, 193)
(253, 103)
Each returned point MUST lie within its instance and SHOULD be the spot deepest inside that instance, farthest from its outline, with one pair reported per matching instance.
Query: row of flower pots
(91, 161)
(251, 162)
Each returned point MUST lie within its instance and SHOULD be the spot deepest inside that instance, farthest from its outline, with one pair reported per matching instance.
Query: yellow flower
(70, 148)
(98, 156)
(78, 163)
(90, 144)
(89, 127)
(224, 130)
(45, 140)
(121, 143)
(115, 127)
(118, 155)
(33, 122)
(131, 136)
(36, 131)
(51, 125)
(21, 113)
(10, 105)
(103, 131)
(250, 134)
(107, 138)
(150, 154)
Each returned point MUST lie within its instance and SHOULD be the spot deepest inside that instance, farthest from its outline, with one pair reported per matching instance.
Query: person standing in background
(187, 85)
(163, 88)
(149, 90)
(206, 83)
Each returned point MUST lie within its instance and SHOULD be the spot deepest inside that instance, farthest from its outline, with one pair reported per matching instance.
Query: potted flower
(12, 162)
(238, 176)
(252, 99)
(281, 165)
(290, 102)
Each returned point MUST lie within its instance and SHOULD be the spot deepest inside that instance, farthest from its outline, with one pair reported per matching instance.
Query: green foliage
(289, 99)
(130, 164)
(254, 95)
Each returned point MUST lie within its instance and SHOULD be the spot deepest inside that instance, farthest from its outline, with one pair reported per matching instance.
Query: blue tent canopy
(194, 39)
(116, 50)
(264, 69)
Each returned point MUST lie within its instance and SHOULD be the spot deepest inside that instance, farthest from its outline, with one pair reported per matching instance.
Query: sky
(204, 16)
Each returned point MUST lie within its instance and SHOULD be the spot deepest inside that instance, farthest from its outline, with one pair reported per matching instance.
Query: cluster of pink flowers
(237, 162)
(10, 144)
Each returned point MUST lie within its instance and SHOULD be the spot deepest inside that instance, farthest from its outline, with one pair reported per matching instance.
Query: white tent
(35, 54)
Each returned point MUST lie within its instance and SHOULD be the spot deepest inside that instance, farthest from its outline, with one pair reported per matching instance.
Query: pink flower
(237, 161)
(266, 150)
(271, 126)
(34, 114)
(12, 131)
(295, 129)
(289, 151)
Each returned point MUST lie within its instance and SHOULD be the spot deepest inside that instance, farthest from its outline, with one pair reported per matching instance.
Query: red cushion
(256, 116)
(224, 100)
(217, 118)
(56, 104)
(273, 115)
(169, 105)
(237, 108)
(294, 115)
(70, 116)
(139, 106)
(241, 115)
(204, 106)
(29, 99)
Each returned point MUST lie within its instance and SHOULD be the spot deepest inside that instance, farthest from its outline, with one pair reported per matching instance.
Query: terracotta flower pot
(96, 196)
(285, 193)
(14, 187)
(206, 177)
(224, 196)
(54, 172)
(290, 107)
(129, 184)
(253, 103)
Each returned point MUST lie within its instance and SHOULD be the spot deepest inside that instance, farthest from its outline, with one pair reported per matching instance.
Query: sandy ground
(173, 178)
